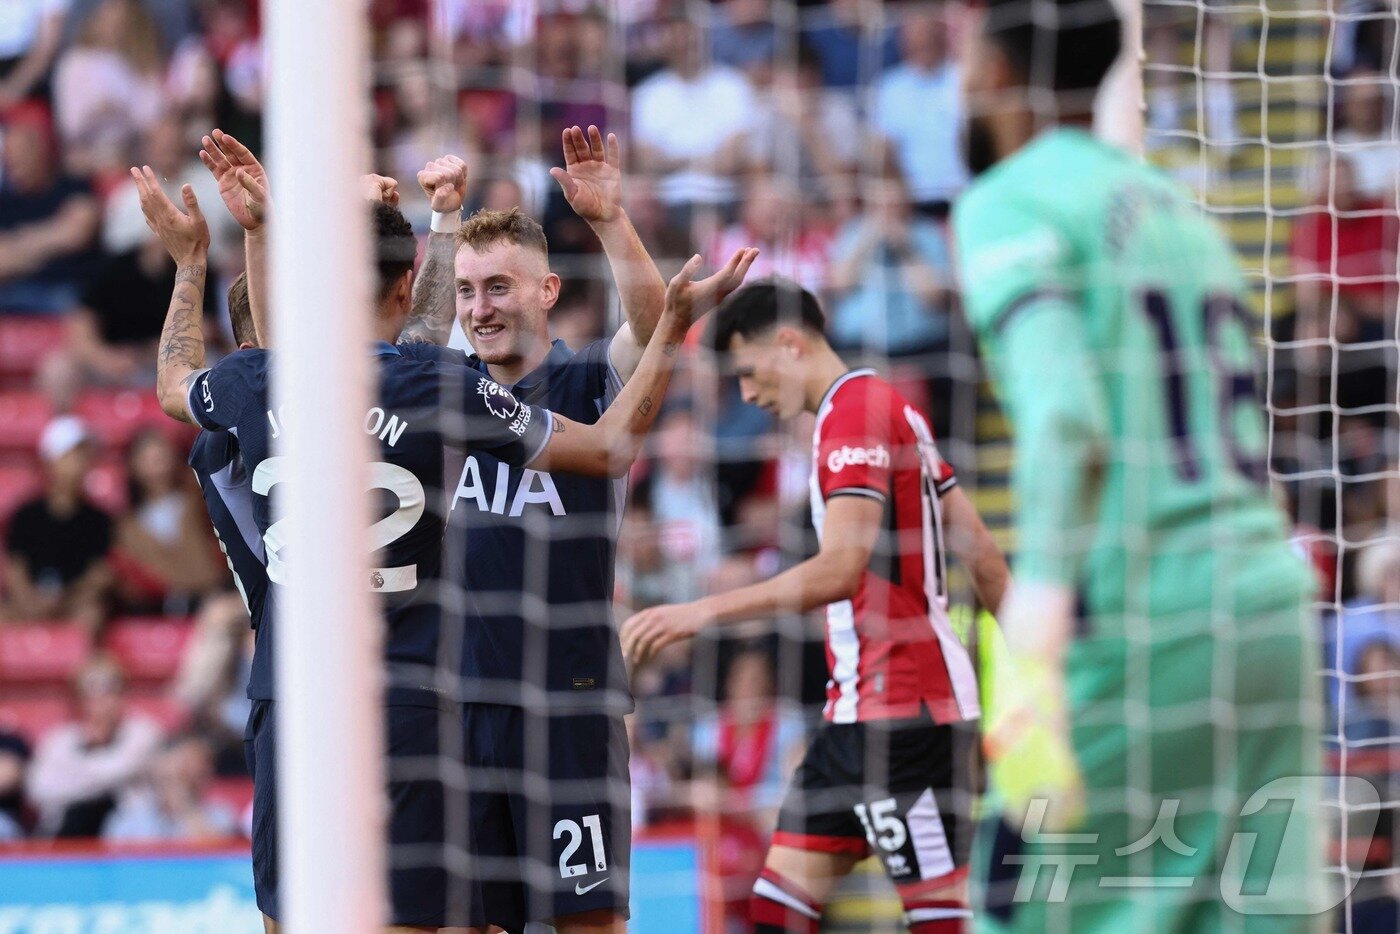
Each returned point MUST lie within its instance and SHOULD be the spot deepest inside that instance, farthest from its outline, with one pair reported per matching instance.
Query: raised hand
(225, 157)
(592, 174)
(380, 188)
(693, 300)
(185, 235)
(444, 181)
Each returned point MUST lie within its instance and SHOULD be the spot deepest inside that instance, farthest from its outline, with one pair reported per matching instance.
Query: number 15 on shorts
(572, 830)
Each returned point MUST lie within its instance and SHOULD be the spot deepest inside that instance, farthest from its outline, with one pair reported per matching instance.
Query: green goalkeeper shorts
(1176, 725)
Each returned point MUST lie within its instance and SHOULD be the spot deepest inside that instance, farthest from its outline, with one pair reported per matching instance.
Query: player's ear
(790, 340)
(549, 291)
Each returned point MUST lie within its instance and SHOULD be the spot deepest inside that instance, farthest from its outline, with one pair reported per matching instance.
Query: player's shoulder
(432, 353)
(860, 395)
(250, 362)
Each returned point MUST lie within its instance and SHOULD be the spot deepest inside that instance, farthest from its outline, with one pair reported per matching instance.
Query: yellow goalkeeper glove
(1026, 734)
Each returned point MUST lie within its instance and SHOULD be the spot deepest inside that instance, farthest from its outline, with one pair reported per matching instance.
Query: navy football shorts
(549, 814)
(418, 877)
(899, 789)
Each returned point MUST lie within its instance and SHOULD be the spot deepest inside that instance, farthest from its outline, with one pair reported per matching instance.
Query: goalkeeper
(1160, 670)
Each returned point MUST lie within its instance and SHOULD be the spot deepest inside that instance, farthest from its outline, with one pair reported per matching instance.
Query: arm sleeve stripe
(857, 491)
(946, 485)
(1024, 303)
(548, 433)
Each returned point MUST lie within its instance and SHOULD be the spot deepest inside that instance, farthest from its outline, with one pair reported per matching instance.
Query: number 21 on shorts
(574, 832)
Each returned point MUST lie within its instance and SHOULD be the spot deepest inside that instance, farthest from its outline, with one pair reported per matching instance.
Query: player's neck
(509, 374)
(823, 372)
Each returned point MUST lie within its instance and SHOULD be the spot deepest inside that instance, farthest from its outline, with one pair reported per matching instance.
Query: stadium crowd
(826, 134)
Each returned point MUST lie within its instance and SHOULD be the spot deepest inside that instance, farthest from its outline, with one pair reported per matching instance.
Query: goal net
(1281, 117)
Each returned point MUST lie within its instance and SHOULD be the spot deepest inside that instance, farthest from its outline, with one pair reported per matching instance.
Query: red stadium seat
(24, 342)
(23, 416)
(116, 416)
(34, 717)
(41, 653)
(149, 648)
(17, 484)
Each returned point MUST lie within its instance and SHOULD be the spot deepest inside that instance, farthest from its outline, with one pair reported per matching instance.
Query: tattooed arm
(180, 357)
(609, 447)
(430, 320)
(444, 181)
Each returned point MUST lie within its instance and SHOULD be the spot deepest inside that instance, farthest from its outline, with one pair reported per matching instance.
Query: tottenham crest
(499, 401)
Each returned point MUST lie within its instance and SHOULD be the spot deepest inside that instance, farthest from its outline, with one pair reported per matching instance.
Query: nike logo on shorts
(581, 889)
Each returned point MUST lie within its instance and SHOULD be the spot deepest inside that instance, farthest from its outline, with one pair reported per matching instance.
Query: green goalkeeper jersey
(1112, 314)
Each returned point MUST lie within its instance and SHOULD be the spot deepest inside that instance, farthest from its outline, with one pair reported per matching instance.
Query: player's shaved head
(1056, 45)
(485, 229)
(240, 312)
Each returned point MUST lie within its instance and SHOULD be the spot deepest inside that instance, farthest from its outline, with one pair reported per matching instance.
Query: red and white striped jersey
(890, 649)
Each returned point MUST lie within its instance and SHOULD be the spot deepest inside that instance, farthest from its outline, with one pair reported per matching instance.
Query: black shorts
(549, 814)
(902, 789)
(418, 877)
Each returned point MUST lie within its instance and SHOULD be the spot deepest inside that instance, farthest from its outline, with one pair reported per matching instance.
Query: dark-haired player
(890, 771)
(1160, 671)
(233, 396)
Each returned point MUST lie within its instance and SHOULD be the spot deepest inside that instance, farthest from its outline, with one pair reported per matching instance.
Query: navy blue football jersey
(423, 404)
(535, 554)
(228, 497)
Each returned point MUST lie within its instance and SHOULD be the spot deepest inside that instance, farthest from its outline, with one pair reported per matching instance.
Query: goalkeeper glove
(1026, 736)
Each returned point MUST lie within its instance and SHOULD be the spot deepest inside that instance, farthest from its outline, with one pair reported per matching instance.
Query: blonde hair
(485, 228)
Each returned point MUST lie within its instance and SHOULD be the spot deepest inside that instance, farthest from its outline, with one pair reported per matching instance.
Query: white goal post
(329, 676)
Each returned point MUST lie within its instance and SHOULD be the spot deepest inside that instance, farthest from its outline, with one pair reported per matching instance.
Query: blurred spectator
(56, 549)
(681, 493)
(108, 86)
(113, 337)
(689, 123)
(210, 685)
(14, 759)
(751, 744)
(416, 138)
(1373, 712)
(808, 134)
(398, 30)
(1367, 134)
(81, 768)
(650, 771)
(918, 107)
(165, 556)
(1344, 255)
(772, 219)
(644, 577)
(47, 220)
(891, 278)
(1372, 616)
(173, 158)
(744, 756)
(30, 31)
(742, 35)
(170, 804)
(851, 41)
(1175, 38)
